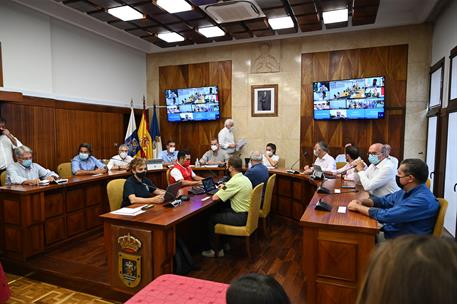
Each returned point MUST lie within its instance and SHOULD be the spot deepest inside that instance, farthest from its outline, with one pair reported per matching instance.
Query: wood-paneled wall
(390, 62)
(54, 129)
(195, 136)
(1, 66)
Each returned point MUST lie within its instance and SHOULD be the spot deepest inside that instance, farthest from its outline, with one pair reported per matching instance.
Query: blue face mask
(27, 163)
(373, 159)
(83, 156)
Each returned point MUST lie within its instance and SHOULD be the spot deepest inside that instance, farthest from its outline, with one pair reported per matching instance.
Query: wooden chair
(428, 183)
(340, 165)
(251, 223)
(440, 218)
(64, 170)
(115, 190)
(3, 178)
(266, 207)
(281, 163)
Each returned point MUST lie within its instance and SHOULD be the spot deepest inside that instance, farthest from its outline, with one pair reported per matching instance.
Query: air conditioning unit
(233, 10)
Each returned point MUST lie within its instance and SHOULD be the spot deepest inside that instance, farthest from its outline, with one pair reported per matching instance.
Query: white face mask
(315, 153)
(123, 155)
(214, 147)
(172, 149)
(269, 153)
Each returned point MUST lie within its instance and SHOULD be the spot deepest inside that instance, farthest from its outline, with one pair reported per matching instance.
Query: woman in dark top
(138, 189)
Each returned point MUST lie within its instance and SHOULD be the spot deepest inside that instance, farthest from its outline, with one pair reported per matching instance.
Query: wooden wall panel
(1, 66)
(195, 135)
(390, 62)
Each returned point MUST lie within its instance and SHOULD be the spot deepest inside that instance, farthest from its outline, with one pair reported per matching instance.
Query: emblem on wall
(129, 263)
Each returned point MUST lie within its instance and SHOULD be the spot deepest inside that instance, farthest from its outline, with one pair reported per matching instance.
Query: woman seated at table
(348, 171)
(138, 189)
(270, 159)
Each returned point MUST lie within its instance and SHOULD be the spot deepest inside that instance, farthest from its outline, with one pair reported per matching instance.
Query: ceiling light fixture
(170, 37)
(281, 23)
(211, 31)
(125, 13)
(175, 6)
(335, 16)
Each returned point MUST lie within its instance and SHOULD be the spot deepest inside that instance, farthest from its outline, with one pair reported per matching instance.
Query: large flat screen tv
(360, 98)
(192, 104)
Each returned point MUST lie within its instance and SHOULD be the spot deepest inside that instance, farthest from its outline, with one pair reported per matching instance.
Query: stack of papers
(128, 211)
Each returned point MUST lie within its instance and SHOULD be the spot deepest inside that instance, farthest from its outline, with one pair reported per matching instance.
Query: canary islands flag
(131, 136)
(145, 138)
(155, 134)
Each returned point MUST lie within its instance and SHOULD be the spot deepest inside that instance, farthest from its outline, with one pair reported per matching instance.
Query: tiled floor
(25, 290)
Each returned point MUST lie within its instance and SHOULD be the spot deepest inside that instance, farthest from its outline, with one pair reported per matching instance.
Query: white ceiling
(390, 13)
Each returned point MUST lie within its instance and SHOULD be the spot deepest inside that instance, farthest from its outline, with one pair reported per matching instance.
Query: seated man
(412, 210)
(215, 156)
(169, 155)
(379, 178)
(183, 172)
(352, 158)
(258, 172)
(138, 189)
(86, 164)
(324, 160)
(237, 190)
(391, 157)
(26, 172)
(120, 161)
(341, 158)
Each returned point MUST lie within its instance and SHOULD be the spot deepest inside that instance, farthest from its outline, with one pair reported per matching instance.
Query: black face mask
(140, 175)
(397, 179)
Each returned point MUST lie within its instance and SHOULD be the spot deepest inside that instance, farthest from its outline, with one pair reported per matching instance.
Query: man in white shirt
(7, 143)
(392, 158)
(324, 160)
(120, 161)
(379, 178)
(226, 137)
(352, 157)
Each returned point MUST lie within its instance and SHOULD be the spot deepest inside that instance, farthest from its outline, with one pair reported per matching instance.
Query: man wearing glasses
(379, 178)
(411, 210)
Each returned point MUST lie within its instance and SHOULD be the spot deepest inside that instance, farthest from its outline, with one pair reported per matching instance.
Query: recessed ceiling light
(170, 37)
(281, 23)
(125, 13)
(335, 16)
(211, 31)
(175, 6)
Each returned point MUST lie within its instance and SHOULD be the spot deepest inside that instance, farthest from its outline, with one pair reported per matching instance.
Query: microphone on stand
(292, 171)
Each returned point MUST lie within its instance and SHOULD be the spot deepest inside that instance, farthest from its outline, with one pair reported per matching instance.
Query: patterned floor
(25, 290)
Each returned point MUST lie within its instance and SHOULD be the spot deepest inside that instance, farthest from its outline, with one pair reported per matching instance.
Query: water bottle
(197, 163)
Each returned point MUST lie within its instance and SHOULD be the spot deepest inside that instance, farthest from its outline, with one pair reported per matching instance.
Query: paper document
(240, 144)
(210, 166)
(128, 211)
(341, 209)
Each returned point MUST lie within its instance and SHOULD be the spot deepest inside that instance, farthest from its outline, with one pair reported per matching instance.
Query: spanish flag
(144, 137)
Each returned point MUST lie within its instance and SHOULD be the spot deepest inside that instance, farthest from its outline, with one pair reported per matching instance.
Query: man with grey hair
(379, 178)
(393, 159)
(7, 143)
(258, 172)
(120, 161)
(226, 137)
(26, 172)
(323, 159)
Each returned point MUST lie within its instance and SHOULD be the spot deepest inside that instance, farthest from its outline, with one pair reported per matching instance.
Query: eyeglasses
(372, 153)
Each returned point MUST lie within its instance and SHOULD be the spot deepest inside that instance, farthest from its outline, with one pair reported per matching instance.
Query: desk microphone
(292, 171)
(321, 188)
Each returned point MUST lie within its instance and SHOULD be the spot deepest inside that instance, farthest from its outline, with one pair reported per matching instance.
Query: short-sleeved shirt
(140, 189)
(168, 157)
(87, 165)
(273, 158)
(117, 161)
(327, 162)
(238, 191)
(17, 173)
(216, 157)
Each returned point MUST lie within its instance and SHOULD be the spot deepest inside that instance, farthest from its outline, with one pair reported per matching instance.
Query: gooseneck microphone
(292, 171)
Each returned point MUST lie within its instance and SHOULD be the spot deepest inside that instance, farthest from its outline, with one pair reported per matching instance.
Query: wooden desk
(336, 247)
(146, 242)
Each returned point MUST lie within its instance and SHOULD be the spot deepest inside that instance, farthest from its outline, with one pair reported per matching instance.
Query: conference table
(38, 219)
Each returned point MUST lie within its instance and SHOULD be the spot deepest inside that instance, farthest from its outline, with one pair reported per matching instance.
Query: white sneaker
(212, 254)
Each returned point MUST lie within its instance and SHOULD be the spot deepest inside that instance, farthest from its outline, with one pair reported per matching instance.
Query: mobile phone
(348, 187)
(147, 207)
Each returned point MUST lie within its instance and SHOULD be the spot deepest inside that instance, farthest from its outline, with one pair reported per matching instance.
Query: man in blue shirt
(412, 210)
(258, 173)
(170, 155)
(85, 164)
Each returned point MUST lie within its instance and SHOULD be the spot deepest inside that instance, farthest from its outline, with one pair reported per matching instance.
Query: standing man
(226, 137)
(120, 161)
(215, 156)
(7, 143)
(170, 155)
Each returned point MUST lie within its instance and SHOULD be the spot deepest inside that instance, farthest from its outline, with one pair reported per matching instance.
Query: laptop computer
(172, 192)
(209, 185)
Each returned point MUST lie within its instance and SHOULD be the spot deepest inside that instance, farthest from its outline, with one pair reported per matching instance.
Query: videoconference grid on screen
(361, 98)
(192, 104)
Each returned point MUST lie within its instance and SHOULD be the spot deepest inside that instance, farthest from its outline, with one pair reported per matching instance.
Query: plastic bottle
(197, 163)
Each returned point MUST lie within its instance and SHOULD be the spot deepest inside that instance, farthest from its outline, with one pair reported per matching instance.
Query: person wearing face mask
(138, 189)
(270, 159)
(120, 161)
(170, 155)
(411, 210)
(352, 158)
(234, 211)
(215, 156)
(86, 164)
(258, 172)
(323, 159)
(379, 178)
(25, 171)
(7, 143)
(183, 172)
(226, 137)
